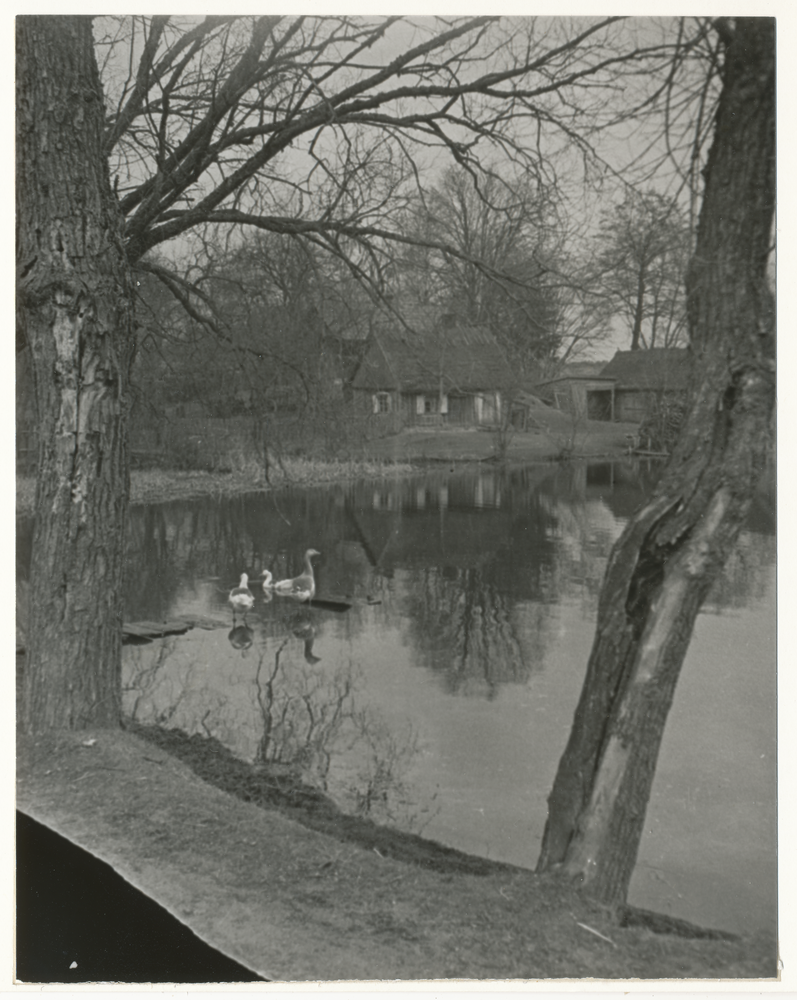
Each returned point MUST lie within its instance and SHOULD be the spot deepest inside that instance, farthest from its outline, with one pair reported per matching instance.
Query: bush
(660, 429)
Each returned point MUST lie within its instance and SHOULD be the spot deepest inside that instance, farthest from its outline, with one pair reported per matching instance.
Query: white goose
(241, 597)
(302, 587)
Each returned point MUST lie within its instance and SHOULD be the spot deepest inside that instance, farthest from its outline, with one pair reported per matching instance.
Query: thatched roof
(577, 371)
(436, 349)
(655, 368)
(582, 369)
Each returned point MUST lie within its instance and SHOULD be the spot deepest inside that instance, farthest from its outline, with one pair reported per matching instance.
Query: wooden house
(645, 381)
(436, 371)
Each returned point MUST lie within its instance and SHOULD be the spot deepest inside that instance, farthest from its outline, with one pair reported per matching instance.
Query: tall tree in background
(672, 549)
(506, 234)
(643, 250)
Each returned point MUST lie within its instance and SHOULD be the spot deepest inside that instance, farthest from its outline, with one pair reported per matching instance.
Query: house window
(382, 402)
(431, 403)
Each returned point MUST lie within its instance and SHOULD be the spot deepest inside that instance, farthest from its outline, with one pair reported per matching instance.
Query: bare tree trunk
(74, 312)
(636, 332)
(662, 567)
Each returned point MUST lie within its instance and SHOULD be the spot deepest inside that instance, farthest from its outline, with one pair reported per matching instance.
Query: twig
(98, 767)
(596, 933)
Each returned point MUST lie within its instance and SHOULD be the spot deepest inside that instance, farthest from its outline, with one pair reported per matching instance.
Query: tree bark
(639, 310)
(74, 310)
(663, 565)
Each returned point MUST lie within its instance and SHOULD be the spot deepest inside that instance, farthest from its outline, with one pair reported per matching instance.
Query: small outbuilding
(647, 381)
(632, 386)
(581, 390)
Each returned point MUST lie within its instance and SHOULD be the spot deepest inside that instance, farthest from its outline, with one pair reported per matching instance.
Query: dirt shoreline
(285, 884)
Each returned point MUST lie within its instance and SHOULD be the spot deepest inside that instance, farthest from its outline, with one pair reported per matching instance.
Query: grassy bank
(160, 485)
(554, 439)
(271, 890)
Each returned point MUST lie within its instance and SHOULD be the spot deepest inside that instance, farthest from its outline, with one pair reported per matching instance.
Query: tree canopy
(642, 251)
(317, 126)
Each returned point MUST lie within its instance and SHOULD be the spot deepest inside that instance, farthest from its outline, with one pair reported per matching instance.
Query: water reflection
(241, 637)
(445, 693)
(306, 633)
(288, 718)
(464, 627)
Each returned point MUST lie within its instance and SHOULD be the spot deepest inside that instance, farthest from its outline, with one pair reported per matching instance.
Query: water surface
(442, 700)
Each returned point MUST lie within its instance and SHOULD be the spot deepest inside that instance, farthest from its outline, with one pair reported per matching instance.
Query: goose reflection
(241, 637)
(306, 632)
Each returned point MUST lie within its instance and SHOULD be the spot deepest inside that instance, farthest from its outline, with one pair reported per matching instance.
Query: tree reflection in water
(469, 630)
(308, 723)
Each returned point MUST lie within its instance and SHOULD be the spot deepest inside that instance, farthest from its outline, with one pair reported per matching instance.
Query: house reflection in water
(471, 557)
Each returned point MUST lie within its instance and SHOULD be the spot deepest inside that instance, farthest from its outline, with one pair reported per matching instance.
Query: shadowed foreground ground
(291, 903)
(80, 922)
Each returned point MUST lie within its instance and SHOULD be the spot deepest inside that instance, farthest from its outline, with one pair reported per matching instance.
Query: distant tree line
(269, 323)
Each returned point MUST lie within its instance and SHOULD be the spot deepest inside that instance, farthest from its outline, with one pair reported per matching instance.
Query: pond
(441, 700)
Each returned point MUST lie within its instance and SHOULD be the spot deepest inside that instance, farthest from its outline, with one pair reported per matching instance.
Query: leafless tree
(224, 120)
(507, 234)
(639, 268)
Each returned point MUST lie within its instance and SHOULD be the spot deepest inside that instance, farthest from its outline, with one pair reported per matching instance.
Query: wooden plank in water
(331, 603)
(154, 630)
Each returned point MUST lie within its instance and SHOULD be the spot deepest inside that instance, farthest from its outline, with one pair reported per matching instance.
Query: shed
(580, 389)
(647, 380)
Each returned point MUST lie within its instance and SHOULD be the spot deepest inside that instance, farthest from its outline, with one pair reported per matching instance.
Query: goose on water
(241, 597)
(302, 587)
